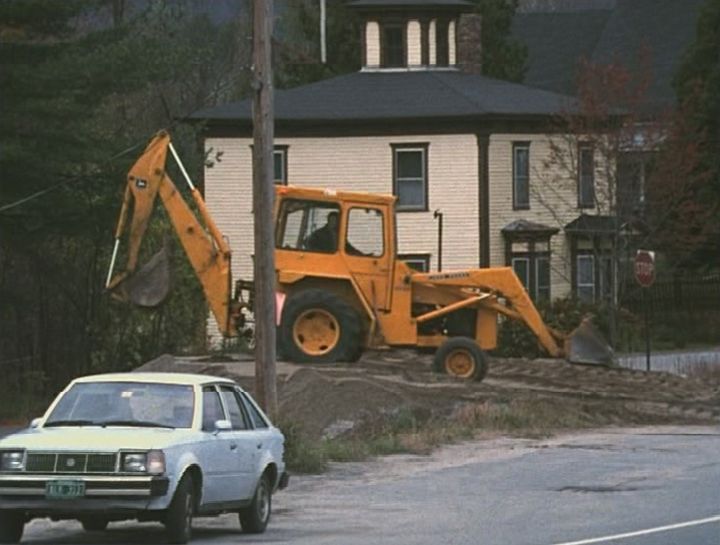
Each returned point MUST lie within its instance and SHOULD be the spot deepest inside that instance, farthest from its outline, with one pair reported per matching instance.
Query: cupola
(410, 34)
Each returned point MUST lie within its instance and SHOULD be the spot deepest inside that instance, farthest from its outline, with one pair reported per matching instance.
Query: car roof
(187, 379)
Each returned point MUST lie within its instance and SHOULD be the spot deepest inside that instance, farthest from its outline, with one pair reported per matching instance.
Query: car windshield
(124, 404)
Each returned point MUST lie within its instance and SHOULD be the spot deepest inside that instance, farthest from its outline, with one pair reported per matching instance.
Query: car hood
(84, 438)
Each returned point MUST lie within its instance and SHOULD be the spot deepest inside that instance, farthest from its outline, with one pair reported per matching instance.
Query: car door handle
(233, 446)
(259, 446)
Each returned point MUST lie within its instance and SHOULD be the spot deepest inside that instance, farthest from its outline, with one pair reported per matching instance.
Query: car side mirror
(35, 423)
(222, 425)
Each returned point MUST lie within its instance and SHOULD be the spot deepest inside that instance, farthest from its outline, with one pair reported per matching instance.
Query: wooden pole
(263, 195)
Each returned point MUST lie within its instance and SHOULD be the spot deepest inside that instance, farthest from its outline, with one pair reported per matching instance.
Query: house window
(585, 277)
(532, 267)
(419, 262)
(443, 55)
(586, 177)
(280, 165)
(521, 175)
(393, 46)
(521, 266)
(410, 181)
(542, 278)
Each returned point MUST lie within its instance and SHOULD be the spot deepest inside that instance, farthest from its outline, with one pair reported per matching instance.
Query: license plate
(63, 490)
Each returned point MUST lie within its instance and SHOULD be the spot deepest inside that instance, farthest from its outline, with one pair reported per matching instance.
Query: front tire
(319, 327)
(12, 525)
(461, 357)
(255, 517)
(179, 516)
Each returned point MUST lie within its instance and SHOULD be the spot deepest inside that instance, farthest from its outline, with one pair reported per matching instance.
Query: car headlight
(12, 460)
(152, 462)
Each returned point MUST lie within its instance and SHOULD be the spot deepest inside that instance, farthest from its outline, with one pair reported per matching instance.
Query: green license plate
(63, 490)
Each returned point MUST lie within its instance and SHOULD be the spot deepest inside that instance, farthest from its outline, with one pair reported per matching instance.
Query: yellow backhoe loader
(340, 287)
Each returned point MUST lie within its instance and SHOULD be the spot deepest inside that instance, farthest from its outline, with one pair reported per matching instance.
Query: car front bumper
(102, 493)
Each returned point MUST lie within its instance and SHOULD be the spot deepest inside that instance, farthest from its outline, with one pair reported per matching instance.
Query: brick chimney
(469, 46)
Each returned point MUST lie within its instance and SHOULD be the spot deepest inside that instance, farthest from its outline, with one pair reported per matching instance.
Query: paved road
(502, 491)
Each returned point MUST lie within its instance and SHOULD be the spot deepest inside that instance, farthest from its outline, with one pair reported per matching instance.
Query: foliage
(82, 92)
(697, 83)
(298, 50)
(564, 315)
(502, 56)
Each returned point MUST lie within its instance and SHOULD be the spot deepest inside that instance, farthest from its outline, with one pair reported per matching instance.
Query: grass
(417, 432)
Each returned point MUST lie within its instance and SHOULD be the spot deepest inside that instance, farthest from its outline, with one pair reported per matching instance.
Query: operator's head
(333, 219)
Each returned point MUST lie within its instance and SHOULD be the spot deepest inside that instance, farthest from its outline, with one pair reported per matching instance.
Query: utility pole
(263, 195)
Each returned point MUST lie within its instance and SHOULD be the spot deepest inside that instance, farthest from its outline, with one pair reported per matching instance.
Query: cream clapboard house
(413, 124)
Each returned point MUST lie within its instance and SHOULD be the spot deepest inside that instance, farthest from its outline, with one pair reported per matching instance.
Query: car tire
(12, 525)
(255, 517)
(179, 516)
(95, 524)
(461, 357)
(319, 327)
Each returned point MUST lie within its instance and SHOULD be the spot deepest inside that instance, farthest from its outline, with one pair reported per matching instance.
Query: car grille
(70, 462)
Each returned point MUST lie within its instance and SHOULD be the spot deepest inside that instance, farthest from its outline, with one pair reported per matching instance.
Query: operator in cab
(325, 238)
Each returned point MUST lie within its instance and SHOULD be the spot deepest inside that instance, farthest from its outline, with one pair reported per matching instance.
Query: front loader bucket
(150, 284)
(586, 345)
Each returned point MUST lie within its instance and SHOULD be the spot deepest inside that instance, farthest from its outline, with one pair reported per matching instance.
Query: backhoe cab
(340, 287)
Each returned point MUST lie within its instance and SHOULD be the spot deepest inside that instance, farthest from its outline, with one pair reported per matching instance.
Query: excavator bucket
(150, 284)
(587, 345)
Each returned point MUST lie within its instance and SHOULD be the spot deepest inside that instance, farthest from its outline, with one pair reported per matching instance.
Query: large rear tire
(12, 525)
(461, 357)
(255, 517)
(319, 327)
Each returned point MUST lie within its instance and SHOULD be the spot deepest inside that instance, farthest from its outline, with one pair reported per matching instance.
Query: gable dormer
(410, 34)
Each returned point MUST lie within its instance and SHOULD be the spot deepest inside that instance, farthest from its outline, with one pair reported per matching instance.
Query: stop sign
(645, 268)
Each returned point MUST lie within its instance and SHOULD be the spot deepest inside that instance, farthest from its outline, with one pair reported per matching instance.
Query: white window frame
(397, 180)
(579, 285)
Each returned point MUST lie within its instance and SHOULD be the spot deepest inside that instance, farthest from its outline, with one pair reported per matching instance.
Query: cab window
(365, 234)
(312, 226)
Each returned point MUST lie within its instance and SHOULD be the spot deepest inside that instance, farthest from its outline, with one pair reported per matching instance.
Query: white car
(145, 446)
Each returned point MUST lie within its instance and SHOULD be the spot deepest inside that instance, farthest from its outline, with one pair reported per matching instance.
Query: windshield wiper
(139, 423)
(70, 423)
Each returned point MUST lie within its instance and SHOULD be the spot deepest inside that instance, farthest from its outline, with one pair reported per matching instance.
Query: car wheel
(461, 357)
(255, 517)
(12, 525)
(319, 327)
(179, 516)
(95, 524)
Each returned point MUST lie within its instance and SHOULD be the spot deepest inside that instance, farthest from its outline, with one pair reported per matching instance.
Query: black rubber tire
(12, 525)
(255, 517)
(178, 518)
(94, 524)
(348, 347)
(476, 357)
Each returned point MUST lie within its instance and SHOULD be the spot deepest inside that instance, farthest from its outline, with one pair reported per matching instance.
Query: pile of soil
(327, 400)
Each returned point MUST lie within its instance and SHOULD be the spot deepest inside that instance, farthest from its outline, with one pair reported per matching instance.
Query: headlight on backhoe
(12, 460)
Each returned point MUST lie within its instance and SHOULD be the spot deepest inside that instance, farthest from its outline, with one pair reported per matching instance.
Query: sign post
(645, 276)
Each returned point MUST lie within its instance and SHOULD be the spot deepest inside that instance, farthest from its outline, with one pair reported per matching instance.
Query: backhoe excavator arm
(204, 245)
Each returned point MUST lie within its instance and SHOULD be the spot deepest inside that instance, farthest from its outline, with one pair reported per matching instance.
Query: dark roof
(586, 224)
(555, 44)
(397, 96)
(527, 227)
(557, 41)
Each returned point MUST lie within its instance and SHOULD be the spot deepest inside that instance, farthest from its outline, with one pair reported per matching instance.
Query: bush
(515, 339)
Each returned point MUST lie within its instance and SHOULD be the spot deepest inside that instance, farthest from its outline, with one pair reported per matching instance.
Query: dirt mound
(328, 400)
